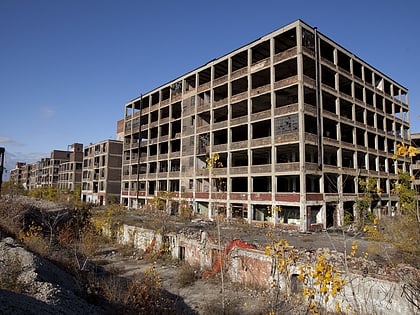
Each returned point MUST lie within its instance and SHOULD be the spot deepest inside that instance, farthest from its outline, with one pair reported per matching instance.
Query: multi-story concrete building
(295, 118)
(70, 172)
(19, 175)
(101, 180)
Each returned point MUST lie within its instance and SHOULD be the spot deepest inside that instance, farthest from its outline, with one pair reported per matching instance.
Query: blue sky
(67, 67)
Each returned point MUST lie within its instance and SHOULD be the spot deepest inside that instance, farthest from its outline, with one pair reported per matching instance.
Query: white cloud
(47, 112)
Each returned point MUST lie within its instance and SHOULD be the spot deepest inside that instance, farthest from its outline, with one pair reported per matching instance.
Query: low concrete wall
(373, 292)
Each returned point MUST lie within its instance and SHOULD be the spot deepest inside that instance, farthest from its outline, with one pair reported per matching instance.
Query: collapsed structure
(295, 121)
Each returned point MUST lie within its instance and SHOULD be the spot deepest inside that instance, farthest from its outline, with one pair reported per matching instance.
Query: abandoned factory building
(295, 120)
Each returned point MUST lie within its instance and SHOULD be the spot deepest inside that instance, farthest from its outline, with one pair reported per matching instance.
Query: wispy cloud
(47, 112)
(6, 141)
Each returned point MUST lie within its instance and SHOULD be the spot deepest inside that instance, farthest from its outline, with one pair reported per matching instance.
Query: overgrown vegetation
(71, 236)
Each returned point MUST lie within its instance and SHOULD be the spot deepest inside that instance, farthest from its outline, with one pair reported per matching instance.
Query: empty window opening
(240, 60)
(153, 149)
(330, 155)
(239, 158)
(369, 97)
(310, 96)
(311, 153)
(220, 93)
(382, 164)
(360, 137)
(260, 51)
(389, 126)
(285, 41)
(380, 122)
(370, 118)
(347, 158)
(387, 87)
(154, 116)
(287, 96)
(176, 129)
(328, 77)
(154, 133)
(204, 76)
(163, 148)
(328, 102)
(309, 68)
(308, 39)
(358, 92)
(361, 160)
(261, 103)
(371, 140)
(388, 107)
(260, 78)
(348, 184)
(163, 166)
(357, 69)
(310, 124)
(330, 183)
(239, 109)
(287, 69)
(240, 86)
(221, 69)
(176, 110)
(379, 101)
(287, 153)
(190, 83)
(203, 119)
(240, 184)
(239, 133)
(289, 183)
(327, 51)
(164, 130)
(165, 93)
(174, 185)
(261, 184)
(330, 129)
(164, 112)
(220, 114)
(312, 183)
(261, 129)
(163, 185)
(360, 112)
(343, 60)
(155, 98)
(372, 162)
(261, 156)
(220, 137)
(176, 145)
(344, 85)
(204, 98)
(291, 215)
(152, 167)
(346, 132)
(203, 142)
(368, 75)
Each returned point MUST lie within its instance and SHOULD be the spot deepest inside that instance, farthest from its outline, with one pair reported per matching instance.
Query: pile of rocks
(40, 288)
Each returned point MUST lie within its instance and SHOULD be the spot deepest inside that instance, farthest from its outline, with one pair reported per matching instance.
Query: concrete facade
(296, 120)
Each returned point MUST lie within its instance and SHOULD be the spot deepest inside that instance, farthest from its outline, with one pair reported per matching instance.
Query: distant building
(70, 172)
(101, 180)
(19, 175)
(296, 120)
(62, 170)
